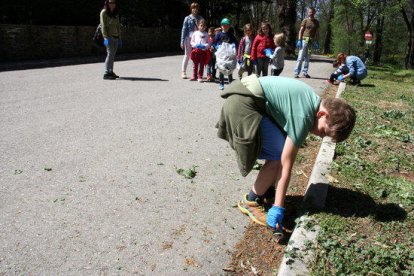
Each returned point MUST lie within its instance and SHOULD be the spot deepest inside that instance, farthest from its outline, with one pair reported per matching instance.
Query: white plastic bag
(226, 58)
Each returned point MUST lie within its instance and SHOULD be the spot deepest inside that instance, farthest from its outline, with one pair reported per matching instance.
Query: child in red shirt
(264, 40)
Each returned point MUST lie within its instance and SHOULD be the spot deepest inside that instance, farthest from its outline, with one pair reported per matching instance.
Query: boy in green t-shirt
(269, 118)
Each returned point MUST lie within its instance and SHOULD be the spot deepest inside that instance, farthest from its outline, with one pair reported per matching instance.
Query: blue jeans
(110, 54)
(262, 66)
(303, 56)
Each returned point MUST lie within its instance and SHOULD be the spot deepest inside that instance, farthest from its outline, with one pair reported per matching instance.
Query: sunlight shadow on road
(140, 79)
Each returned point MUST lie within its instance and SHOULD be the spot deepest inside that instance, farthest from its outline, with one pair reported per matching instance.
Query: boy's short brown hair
(341, 118)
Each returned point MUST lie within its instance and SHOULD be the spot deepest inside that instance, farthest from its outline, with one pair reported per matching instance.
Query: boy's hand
(275, 217)
(299, 44)
(341, 77)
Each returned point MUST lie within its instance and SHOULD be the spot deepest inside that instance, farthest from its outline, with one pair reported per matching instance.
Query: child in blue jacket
(224, 36)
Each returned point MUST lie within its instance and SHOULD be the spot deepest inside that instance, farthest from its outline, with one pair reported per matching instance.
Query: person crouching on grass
(269, 118)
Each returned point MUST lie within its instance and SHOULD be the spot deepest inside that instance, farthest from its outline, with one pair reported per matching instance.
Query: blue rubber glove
(275, 217)
(299, 44)
(106, 42)
(316, 45)
(341, 77)
(268, 52)
(120, 43)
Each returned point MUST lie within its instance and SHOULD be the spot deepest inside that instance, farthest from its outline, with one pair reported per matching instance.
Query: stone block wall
(29, 42)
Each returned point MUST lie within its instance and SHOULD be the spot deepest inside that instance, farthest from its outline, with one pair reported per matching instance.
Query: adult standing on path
(308, 35)
(189, 26)
(111, 31)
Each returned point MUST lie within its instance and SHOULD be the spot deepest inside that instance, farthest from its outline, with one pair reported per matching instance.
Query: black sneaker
(108, 76)
(115, 75)
(307, 76)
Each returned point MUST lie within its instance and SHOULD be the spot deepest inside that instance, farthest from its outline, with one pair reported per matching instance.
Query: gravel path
(88, 181)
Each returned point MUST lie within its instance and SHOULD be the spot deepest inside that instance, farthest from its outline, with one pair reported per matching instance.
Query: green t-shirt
(292, 104)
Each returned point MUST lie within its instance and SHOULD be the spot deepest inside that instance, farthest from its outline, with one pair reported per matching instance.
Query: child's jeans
(199, 58)
(247, 66)
(276, 72)
(221, 77)
(211, 66)
(262, 66)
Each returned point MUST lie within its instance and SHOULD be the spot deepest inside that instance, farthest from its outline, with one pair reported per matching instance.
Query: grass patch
(368, 223)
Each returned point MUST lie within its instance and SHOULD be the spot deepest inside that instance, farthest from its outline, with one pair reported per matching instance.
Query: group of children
(217, 49)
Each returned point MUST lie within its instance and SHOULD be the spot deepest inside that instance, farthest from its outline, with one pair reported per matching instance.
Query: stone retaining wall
(28, 42)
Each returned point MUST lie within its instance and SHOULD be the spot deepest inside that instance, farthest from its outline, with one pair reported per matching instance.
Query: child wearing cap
(224, 37)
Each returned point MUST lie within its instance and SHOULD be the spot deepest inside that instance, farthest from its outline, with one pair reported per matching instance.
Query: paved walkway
(88, 181)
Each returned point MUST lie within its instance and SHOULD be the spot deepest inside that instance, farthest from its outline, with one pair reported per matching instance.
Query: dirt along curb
(296, 258)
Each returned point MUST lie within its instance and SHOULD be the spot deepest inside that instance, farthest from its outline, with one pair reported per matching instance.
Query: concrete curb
(297, 257)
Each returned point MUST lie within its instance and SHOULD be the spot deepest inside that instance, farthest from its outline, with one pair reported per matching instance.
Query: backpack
(98, 37)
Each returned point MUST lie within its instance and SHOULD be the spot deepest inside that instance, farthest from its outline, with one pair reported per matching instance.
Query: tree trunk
(328, 34)
(378, 40)
(286, 12)
(238, 12)
(409, 57)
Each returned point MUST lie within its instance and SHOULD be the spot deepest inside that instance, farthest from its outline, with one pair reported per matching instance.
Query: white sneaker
(183, 75)
(200, 80)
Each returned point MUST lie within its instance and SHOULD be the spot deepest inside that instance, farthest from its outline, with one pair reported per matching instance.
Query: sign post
(368, 37)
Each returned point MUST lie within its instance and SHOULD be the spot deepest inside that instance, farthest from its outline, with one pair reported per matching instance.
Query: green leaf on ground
(188, 173)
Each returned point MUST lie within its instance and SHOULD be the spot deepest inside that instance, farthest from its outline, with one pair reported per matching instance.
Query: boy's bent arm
(288, 158)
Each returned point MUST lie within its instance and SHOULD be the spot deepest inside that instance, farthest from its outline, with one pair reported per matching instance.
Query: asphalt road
(88, 181)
